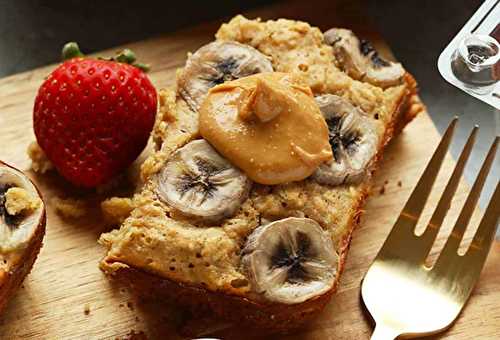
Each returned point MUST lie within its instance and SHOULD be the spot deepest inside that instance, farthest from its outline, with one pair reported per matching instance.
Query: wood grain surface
(66, 282)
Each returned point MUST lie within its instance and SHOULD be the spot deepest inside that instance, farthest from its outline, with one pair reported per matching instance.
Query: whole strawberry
(93, 117)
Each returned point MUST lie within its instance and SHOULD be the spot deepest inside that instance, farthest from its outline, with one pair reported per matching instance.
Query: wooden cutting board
(65, 281)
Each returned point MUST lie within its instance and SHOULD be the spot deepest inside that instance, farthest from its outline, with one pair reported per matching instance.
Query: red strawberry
(93, 117)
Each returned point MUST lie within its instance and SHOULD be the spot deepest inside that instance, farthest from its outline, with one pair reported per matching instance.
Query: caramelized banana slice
(354, 140)
(361, 61)
(21, 209)
(290, 260)
(216, 63)
(200, 183)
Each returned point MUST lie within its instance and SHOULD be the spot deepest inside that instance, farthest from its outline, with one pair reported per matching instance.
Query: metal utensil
(406, 297)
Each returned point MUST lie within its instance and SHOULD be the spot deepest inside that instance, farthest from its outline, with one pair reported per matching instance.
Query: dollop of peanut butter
(268, 125)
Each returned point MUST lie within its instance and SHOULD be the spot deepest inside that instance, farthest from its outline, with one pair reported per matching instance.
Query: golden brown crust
(277, 317)
(410, 107)
(11, 280)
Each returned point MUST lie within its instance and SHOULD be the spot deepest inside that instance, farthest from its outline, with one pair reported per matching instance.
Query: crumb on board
(19, 200)
(400, 184)
(382, 190)
(116, 209)
(386, 181)
(86, 309)
(70, 207)
(39, 161)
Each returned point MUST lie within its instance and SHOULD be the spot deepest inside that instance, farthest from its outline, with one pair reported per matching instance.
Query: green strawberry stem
(71, 50)
(126, 56)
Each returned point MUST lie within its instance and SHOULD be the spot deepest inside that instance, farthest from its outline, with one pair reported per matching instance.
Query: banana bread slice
(167, 248)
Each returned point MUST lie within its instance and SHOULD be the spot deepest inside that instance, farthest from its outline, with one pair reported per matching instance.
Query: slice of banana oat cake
(266, 148)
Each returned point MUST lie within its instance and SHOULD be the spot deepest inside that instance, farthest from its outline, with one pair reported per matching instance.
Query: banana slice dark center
(225, 71)
(10, 220)
(339, 141)
(285, 256)
(365, 47)
(204, 182)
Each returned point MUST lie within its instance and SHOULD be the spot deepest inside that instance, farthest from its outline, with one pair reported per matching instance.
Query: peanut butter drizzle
(268, 125)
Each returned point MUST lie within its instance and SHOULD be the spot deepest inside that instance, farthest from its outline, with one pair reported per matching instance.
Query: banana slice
(22, 211)
(290, 260)
(360, 59)
(216, 63)
(354, 140)
(199, 183)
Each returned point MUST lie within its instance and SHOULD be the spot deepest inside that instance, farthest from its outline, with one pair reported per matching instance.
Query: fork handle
(383, 332)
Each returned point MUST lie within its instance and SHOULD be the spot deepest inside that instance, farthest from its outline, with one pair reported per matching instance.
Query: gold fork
(403, 295)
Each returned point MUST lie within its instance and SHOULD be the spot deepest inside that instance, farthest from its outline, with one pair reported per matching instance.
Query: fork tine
(413, 208)
(405, 225)
(466, 269)
(415, 204)
(489, 223)
(457, 233)
(428, 237)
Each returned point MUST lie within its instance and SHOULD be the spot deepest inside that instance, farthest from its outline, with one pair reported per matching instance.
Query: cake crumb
(382, 190)
(70, 207)
(116, 209)
(386, 181)
(39, 161)
(19, 200)
(86, 309)
(400, 184)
